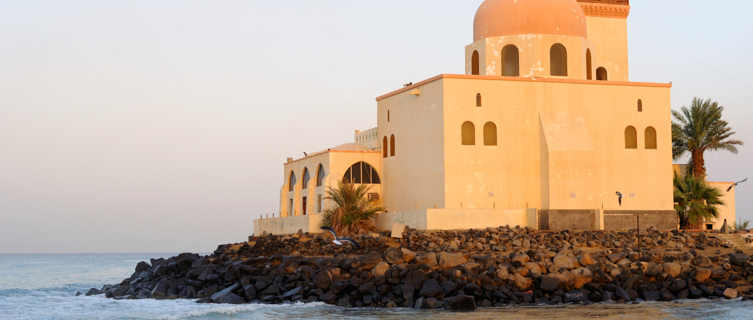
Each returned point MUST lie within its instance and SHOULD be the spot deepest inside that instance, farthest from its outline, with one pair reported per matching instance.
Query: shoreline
(455, 270)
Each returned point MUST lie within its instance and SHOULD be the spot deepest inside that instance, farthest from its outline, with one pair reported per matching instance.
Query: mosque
(544, 130)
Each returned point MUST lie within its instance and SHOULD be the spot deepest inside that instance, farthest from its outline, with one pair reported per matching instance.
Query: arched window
(468, 134)
(475, 64)
(306, 178)
(558, 60)
(384, 147)
(388, 115)
(651, 138)
(640, 105)
(601, 74)
(361, 173)
(478, 99)
(631, 138)
(291, 181)
(490, 134)
(392, 145)
(589, 68)
(510, 61)
(320, 174)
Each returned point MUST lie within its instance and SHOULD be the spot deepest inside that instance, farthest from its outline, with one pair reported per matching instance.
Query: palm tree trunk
(699, 165)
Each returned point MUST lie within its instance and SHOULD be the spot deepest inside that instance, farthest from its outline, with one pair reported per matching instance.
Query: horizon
(164, 126)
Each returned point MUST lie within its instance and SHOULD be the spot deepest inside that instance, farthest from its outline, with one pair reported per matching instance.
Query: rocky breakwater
(455, 270)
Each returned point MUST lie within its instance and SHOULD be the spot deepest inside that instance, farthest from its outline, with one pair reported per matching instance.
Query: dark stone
(222, 295)
(142, 266)
(393, 256)
(431, 288)
(550, 284)
(575, 296)
(250, 291)
(449, 287)
(738, 259)
(621, 294)
(94, 292)
(678, 285)
(322, 280)
(461, 303)
(291, 293)
(650, 295)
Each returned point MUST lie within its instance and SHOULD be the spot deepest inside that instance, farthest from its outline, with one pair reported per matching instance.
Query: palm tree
(353, 213)
(695, 200)
(700, 128)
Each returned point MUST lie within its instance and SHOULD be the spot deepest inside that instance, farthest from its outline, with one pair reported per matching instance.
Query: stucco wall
(461, 219)
(728, 210)
(608, 40)
(623, 220)
(557, 220)
(288, 225)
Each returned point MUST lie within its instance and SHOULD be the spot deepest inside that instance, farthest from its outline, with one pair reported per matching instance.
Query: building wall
(335, 164)
(608, 41)
(368, 138)
(728, 210)
(534, 54)
(413, 179)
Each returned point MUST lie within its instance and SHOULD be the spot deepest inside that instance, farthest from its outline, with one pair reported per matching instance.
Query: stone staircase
(737, 241)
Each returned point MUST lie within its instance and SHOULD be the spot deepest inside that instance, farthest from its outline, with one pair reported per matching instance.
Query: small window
(468, 134)
(392, 145)
(475, 63)
(490, 134)
(510, 61)
(319, 203)
(384, 147)
(709, 227)
(558, 60)
(589, 68)
(291, 181)
(388, 115)
(373, 196)
(631, 138)
(651, 138)
(290, 208)
(601, 74)
(304, 205)
(640, 105)
(320, 176)
(478, 99)
(306, 178)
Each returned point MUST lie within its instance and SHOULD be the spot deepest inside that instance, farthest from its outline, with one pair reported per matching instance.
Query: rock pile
(458, 270)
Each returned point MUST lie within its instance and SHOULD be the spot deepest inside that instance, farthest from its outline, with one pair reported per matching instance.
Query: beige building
(544, 130)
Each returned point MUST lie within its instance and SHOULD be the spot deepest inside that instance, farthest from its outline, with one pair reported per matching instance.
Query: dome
(496, 18)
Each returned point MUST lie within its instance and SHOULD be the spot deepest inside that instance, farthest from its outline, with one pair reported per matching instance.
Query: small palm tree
(353, 213)
(695, 200)
(700, 128)
(742, 225)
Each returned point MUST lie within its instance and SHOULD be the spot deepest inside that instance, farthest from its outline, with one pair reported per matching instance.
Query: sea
(44, 286)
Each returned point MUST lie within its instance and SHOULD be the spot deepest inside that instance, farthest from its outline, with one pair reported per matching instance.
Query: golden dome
(496, 18)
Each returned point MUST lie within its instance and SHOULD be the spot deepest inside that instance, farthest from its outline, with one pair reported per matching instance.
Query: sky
(162, 126)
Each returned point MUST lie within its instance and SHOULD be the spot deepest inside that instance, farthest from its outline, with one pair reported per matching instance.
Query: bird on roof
(408, 84)
(341, 241)
(734, 185)
(619, 198)
(305, 154)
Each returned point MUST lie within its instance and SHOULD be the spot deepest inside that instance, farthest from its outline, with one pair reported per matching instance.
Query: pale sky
(162, 126)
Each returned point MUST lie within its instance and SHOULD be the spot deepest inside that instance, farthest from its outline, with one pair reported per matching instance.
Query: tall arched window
(384, 147)
(589, 67)
(601, 74)
(475, 63)
(651, 138)
(640, 105)
(291, 181)
(631, 138)
(361, 173)
(468, 134)
(392, 145)
(306, 178)
(490, 134)
(558, 60)
(510, 61)
(478, 99)
(320, 174)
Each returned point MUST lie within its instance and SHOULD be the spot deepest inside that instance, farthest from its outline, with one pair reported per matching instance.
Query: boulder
(227, 296)
(408, 255)
(451, 260)
(564, 261)
(730, 293)
(394, 256)
(323, 280)
(431, 288)
(380, 269)
(672, 269)
(582, 276)
(522, 282)
(702, 275)
(142, 266)
(94, 292)
(461, 303)
(738, 259)
(550, 284)
(429, 259)
(586, 259)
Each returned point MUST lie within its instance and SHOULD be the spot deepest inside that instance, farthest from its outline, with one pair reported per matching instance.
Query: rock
(94, 292)
(250, 291)
(291, 293)
(431, 288)
(394, 256)
(380, 269)
(451, 260)
(226, 295)
(397, 230)
(429, 259)
(672, 269)
(408, 256)
(142, 266)
(563, 261)
(550, 284)
(461, 303)
(738, 259)
(582, 276)
(534, 268)
(586, 259)
(521, 282)
(702, 275)
(575, 296)
(730, 293)
(322, 280)
(503, 273)
(521, 258)
(427, 303)
(160, 290)
(369, 261)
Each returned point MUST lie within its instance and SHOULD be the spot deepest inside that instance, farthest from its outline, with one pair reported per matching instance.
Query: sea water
(45, 286)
